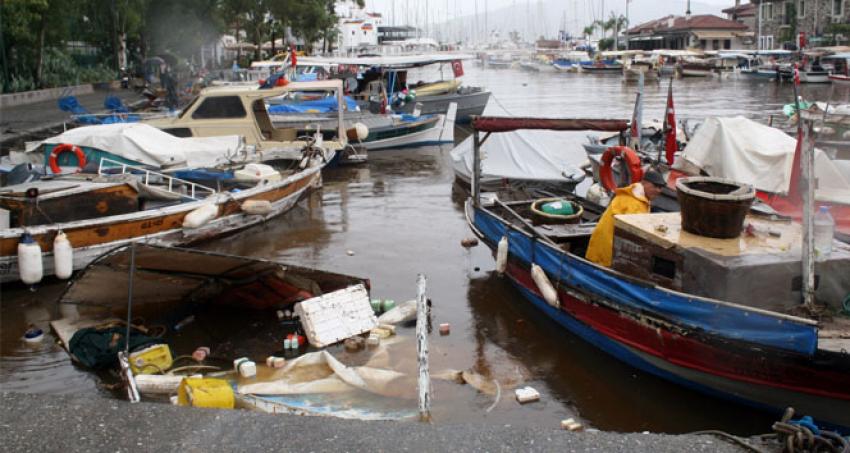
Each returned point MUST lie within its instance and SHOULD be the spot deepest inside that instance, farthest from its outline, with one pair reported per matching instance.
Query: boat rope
(730, 437)
(803, 435)
(499, 103)
(498, 396)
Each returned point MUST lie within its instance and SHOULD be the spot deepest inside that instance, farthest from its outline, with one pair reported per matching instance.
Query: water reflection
(399, 216)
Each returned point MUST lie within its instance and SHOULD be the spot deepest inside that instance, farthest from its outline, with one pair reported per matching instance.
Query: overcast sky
(551, 12)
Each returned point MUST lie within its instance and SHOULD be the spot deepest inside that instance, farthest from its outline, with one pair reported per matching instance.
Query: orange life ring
(61, 148)
(631, 162)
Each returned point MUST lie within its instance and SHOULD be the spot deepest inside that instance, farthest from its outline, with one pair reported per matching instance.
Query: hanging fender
(544, 285)
(502, 255)
(632, 166)
(65, 147)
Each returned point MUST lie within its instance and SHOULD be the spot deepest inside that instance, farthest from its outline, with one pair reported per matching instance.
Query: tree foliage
(32, 30)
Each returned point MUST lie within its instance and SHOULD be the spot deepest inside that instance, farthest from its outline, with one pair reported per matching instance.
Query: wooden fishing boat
(721, 327)
(695, 68)
(602, 66)
(101, 211)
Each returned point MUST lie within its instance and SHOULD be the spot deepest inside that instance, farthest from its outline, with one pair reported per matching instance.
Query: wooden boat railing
(194, 188)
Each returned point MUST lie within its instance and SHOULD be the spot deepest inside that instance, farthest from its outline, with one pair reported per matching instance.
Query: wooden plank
(665, 230)
(424, 382)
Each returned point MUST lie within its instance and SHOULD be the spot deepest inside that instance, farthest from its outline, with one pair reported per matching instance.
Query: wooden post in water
(476, 168)
(422, 350)
(807, 186)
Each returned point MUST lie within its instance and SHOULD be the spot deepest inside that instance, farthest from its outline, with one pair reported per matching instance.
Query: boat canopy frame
(491, 124)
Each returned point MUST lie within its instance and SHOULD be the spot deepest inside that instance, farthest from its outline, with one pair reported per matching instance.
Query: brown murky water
(400, 216)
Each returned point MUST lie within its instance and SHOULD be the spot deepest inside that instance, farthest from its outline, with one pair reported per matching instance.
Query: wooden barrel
(714, 207)
(541, 217)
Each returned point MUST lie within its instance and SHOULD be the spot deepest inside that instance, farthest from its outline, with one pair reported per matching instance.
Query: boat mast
(758, 45)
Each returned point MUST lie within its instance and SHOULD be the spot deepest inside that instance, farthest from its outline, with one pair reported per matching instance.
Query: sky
(538, 16)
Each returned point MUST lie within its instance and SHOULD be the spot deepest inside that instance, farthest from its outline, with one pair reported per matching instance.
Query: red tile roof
(742, 10)
(681, 23)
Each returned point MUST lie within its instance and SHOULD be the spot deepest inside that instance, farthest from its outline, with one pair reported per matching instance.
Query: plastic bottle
(824, 231)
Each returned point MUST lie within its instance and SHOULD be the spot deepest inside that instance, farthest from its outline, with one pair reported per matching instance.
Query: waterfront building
(821, 22)
(701, 31)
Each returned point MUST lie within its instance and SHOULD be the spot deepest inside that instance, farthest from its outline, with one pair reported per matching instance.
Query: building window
(801, 9)
(766, 42)
(727, 44)
(837, 8)
(767, 11)
(715, 44)
(702, 44)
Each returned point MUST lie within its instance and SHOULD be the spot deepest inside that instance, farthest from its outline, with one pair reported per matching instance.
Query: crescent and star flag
(457, 67)
(670, 145)
(294, 56)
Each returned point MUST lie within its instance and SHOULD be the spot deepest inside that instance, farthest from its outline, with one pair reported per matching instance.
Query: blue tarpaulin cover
(324, 105)
(725, 321)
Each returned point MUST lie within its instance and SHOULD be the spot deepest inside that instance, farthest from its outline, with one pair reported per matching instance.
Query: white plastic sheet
(148, 145)
(526, 155)
(743, 150)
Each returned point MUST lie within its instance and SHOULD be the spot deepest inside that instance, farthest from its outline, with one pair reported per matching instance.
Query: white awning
(717, 34)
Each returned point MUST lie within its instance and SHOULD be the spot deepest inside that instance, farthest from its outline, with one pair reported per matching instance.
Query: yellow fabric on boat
(600, 250)
(435, 88)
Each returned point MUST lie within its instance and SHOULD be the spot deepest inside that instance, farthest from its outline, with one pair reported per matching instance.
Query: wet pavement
(36, 422)
(400, 215)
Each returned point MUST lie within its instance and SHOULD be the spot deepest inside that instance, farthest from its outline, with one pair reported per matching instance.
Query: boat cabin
(243, 110)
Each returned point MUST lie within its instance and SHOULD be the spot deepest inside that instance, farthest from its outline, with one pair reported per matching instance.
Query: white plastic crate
(335, 316)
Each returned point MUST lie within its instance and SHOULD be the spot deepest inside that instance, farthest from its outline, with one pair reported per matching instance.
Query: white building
(358, 29)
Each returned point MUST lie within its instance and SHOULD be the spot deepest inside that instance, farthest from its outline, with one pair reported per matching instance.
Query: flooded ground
(398, 216)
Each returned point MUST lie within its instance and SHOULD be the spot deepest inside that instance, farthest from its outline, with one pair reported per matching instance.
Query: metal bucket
(714, 207)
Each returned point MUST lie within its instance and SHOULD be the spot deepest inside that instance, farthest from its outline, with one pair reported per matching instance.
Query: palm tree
(588, 31)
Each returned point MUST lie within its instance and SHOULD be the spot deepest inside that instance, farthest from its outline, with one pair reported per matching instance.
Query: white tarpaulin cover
(528, 155)
(743, 150)
(148, 145)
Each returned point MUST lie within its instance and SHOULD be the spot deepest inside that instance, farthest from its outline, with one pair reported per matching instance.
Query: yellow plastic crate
(206, 392)
(151, 360)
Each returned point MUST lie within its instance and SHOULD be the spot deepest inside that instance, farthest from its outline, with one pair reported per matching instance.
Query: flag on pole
(635, 130)
(670, 145)
(293, 57)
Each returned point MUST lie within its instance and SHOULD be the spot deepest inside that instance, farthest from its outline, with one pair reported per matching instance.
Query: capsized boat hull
(706, 358)
(162, 226)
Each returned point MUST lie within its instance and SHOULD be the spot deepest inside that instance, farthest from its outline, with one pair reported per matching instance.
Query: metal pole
(758, 44)
(130, 296)
(807, 181)
(422, 350)
(476, 169)
(123, 356)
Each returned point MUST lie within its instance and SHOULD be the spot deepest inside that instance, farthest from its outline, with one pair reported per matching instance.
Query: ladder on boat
(194, 189)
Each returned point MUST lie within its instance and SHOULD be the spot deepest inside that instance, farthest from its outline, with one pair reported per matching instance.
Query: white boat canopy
(528, 155)
(393, 61)
(147, 145)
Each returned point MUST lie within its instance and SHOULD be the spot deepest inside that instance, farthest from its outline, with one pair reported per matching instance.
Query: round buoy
(33, 335)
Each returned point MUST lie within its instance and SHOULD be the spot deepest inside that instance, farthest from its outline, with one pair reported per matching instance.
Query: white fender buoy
(502, 255)
(63, 256)
(200, 216)
(256, 207)
(30, 267)
(544, 285)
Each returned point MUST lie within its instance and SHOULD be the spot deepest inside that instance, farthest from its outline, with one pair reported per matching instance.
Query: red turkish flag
(457, 67)
(670, 145)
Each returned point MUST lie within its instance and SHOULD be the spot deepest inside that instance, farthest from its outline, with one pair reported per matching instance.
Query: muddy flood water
(400, 215)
